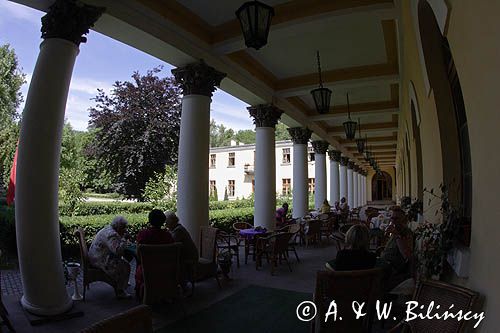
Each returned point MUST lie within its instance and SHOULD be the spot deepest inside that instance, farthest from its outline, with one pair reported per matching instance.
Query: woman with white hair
(106, 253)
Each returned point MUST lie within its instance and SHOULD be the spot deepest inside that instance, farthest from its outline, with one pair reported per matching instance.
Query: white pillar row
(320, 149)
(300, 137)
(266, 117)
(343, 177)
(350, 185)
(198, 82)
(334, 176)
(355, 187)
(360, 187)
(37, 176)
(364, 189)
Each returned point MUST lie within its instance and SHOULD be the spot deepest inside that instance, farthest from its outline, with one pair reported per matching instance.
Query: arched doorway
(453, 129)
(381, 186)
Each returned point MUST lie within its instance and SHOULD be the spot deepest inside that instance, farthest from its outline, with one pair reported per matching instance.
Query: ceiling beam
(374, 127)
(371, 140)
(360, 109)
(376, 148)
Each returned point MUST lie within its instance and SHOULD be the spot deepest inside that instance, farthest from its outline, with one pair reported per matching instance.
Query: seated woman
(355, 255)
(106, 253)
(325, 208)
(153, 235)
(280, 216)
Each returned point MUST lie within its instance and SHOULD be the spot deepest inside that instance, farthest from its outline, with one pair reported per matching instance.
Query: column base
(43, 311)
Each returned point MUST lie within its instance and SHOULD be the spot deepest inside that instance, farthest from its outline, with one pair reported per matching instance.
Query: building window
(286, 186)
(311, 185)
(213, 189)
(212, 160)
(286, 156)
(231, 161)
(230, 188)
(310, 154)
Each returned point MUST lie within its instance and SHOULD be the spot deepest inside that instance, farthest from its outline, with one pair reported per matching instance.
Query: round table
(251, 232)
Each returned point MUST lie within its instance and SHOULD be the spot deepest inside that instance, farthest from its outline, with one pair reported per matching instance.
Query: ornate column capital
(265, 115)
(320, 147)
(334, 155)
(344, 160)
(69, 20)
(198, 78)
(300, 135)
(350, 165)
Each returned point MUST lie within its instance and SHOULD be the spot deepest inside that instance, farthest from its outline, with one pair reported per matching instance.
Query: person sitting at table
(281, 215)
(355, 255)
(154, 235)
(337, 206)
(343, 205)
(106, 253)
(398, 252)
(189, 252)
(325, 207)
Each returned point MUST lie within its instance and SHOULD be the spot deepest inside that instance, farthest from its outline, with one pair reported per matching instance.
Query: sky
(101, 62)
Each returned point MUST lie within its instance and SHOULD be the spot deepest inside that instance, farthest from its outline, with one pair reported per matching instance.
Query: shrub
(7, 229)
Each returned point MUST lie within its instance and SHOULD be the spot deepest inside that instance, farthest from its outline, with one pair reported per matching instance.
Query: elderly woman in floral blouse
(107, 250)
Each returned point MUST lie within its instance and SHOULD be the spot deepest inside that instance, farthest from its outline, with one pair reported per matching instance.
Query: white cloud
(20, 12)
(88, 86)
(77, 112)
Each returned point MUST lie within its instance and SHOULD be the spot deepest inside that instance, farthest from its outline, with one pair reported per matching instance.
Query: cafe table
(250, 235)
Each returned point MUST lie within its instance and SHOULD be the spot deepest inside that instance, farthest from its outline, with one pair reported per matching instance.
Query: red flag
(11, 190)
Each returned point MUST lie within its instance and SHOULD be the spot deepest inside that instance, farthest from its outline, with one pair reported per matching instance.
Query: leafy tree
(245, 136)
(9, 135)
(161, 187)
(220, 135)
(282, 132)
(137, 129)
(11, 80)
(70, 192)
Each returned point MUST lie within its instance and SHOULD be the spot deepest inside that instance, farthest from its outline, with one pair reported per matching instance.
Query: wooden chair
(445, 295)
(345, 287)
(275, 248)
(327, 228)
(248, 244)
(161, 270)
(207, 263)
(91, 273)
(136, 320)
(294, 229)
(313, 232)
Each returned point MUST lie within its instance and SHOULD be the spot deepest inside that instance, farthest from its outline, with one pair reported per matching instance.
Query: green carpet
(252, 309)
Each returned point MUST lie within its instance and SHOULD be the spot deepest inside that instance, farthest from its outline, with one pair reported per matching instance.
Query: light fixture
(360, 143)
(255, 20)
(349, 125)
(321, 95)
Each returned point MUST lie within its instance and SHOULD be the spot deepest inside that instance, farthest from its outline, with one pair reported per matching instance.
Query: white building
(232, 168)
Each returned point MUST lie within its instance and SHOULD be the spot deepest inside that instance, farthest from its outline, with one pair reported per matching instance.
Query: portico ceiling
(357, 40)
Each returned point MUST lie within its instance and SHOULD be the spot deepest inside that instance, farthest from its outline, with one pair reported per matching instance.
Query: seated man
(153, 235)
(189, 252)
(355, 255)
(398, 252)
(106, 253)
(281, 215)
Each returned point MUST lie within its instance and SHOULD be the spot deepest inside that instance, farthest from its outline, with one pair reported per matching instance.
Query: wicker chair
(313, 232)
(345, 287)
(247, 243)
(275, 248)
(161, 270)
(207, 264)
(91, 273)
(230, 243)
(136, 320)
(445, 295)
(294, 229)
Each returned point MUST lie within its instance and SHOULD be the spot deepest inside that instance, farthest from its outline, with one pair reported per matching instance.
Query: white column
(350, 185)
(37, 176)
(343, 177)
(355, 189)
(334, 176)
(300, 137)
(320, 148)
(265, 118)
(360, 185)
(364, 189)
(192, 178)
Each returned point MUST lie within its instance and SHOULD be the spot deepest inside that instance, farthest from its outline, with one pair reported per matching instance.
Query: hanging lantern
(360, 142)
(255, 20)
(321, 95)
(349, 125)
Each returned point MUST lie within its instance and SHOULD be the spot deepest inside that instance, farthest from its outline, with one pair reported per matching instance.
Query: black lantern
(255, 20)
(349, 125)
(321, 95)
(360, 142)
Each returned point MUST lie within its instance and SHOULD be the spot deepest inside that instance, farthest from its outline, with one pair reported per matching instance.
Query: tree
(220, 135)
(137, 129)
(282, 132)
(161, 188)
(245, 136)
(11, 80)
